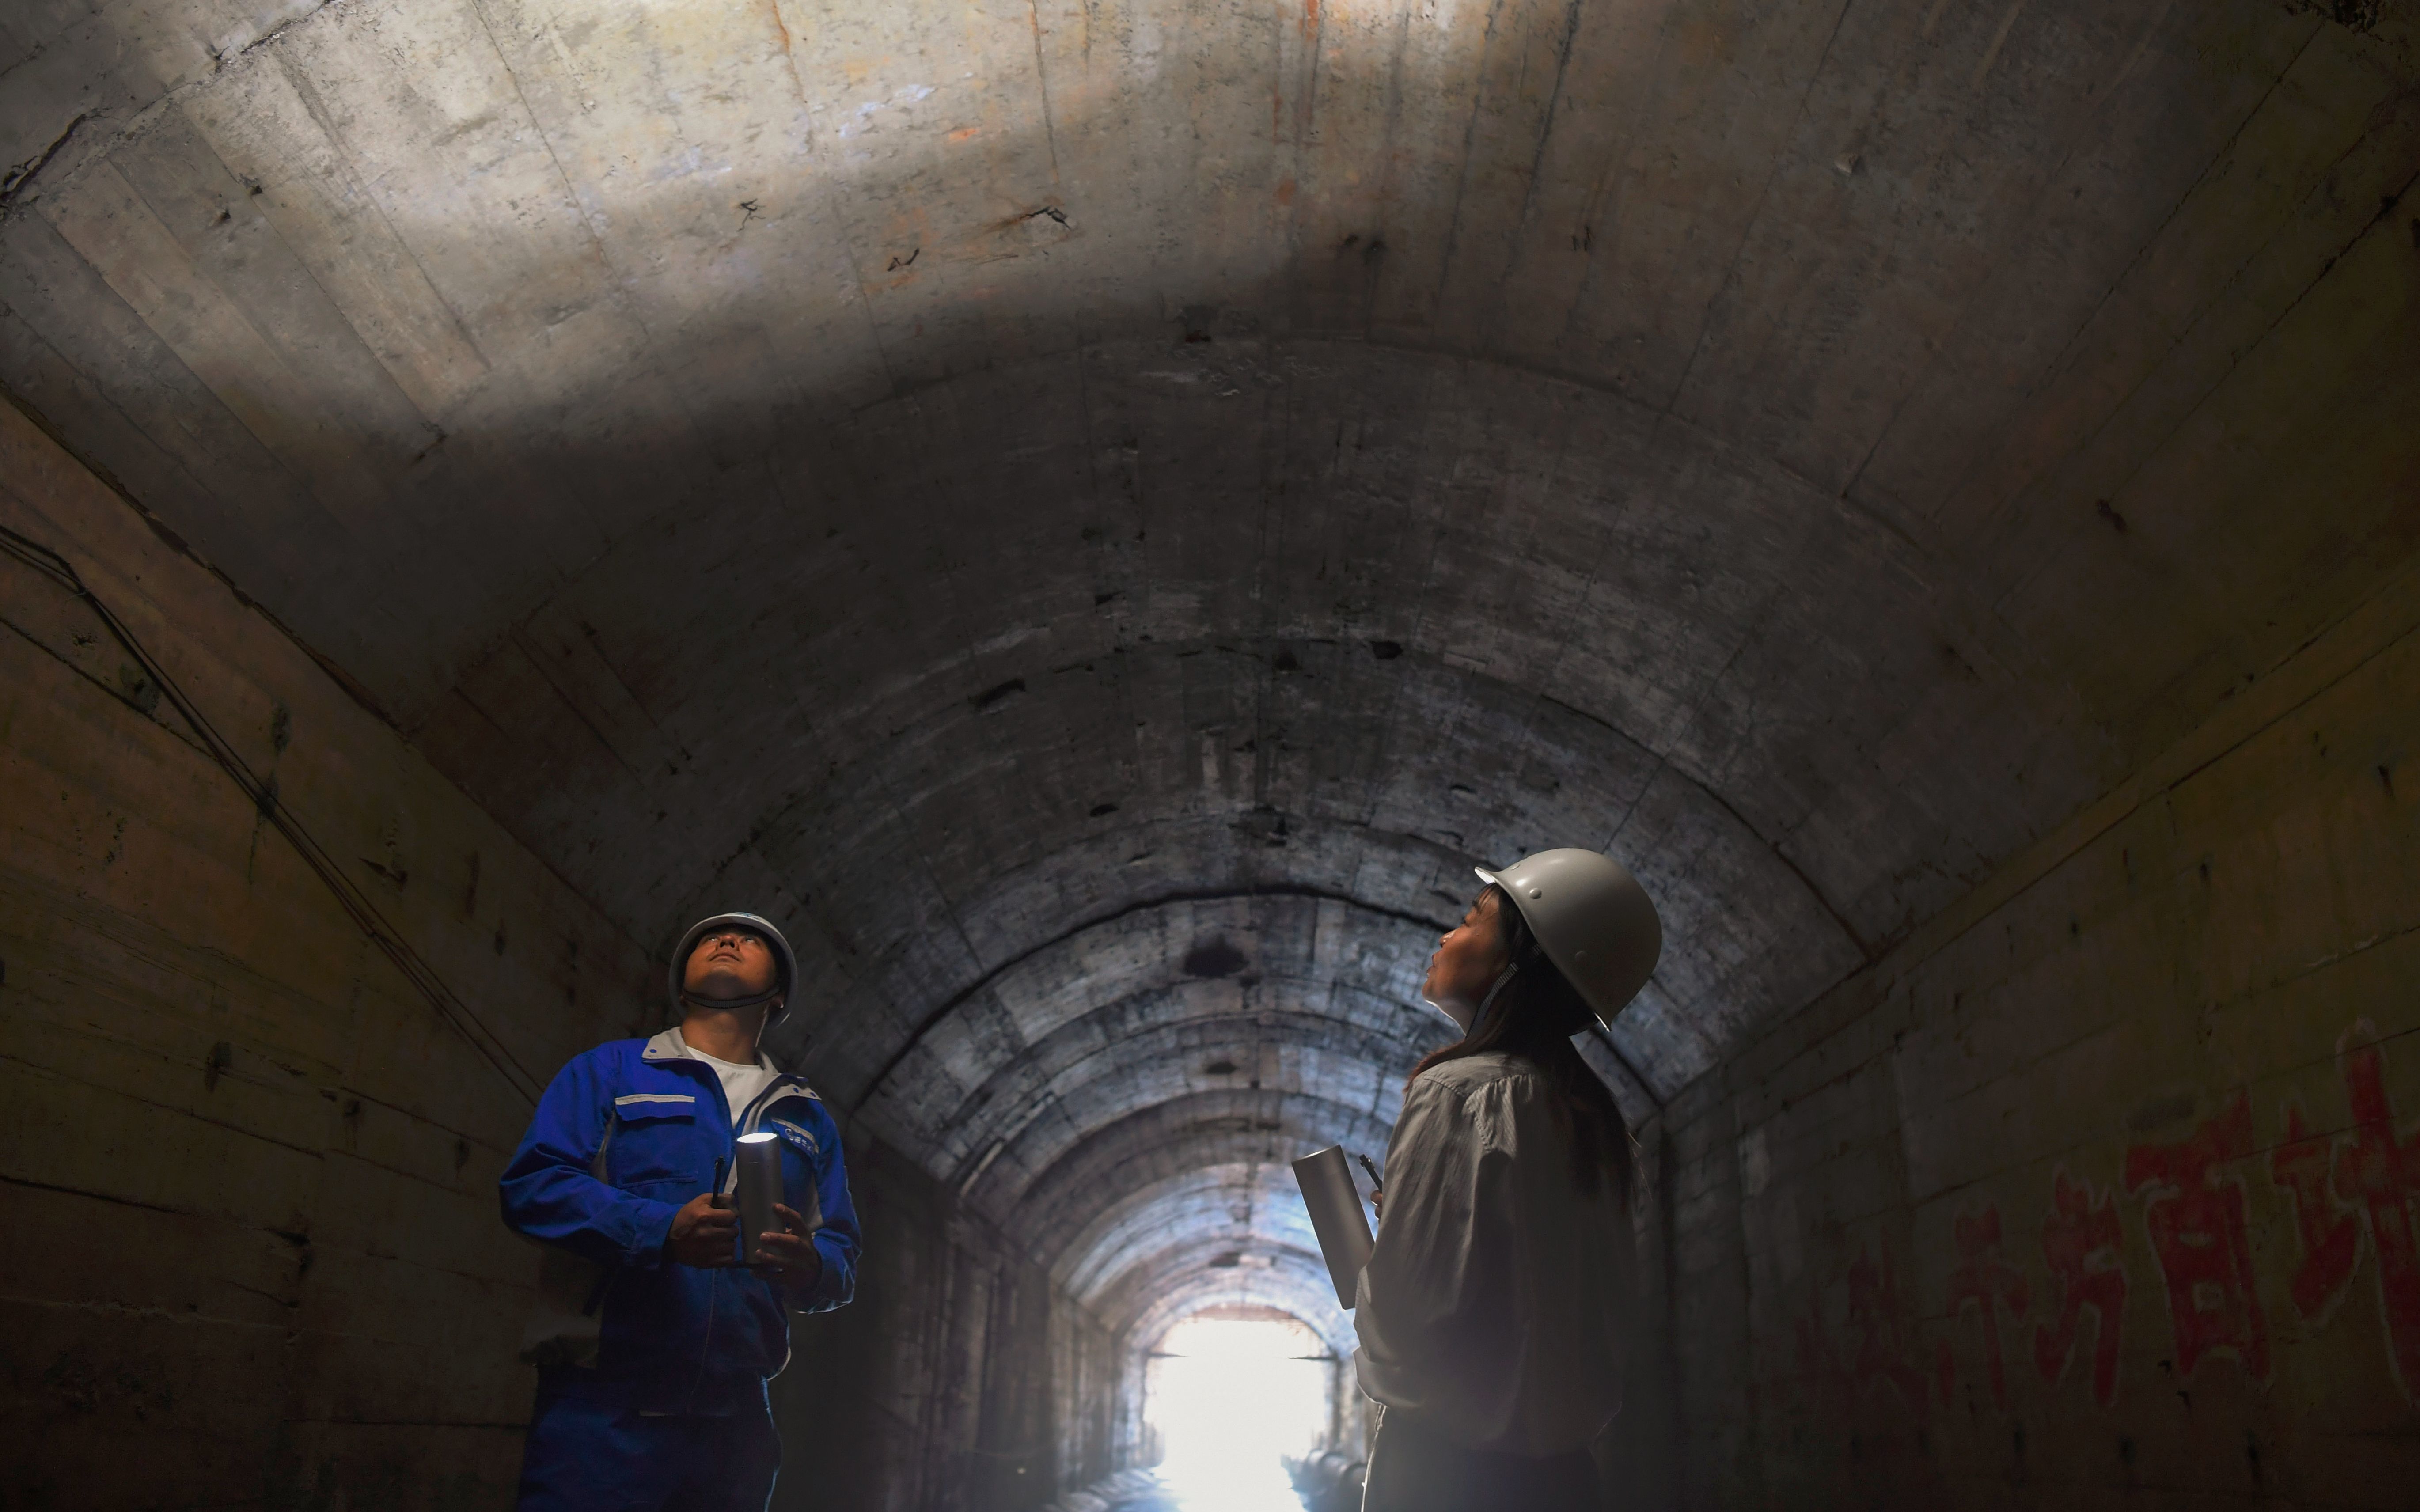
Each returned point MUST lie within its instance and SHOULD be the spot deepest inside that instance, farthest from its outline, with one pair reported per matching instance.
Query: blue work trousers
(586, 1457)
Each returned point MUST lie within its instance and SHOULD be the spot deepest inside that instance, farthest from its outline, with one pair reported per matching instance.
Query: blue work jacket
(626, 1133)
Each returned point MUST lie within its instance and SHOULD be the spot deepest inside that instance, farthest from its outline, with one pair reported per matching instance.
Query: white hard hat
(1592, 918)
(786, 964)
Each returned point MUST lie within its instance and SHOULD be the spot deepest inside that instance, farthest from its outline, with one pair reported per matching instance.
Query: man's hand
(704, 1235)
(797, 1264)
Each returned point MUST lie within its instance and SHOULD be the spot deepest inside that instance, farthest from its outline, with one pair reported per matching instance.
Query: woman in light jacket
(1494, 1309)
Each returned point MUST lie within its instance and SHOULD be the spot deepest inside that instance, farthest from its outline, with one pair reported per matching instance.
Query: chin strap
(1503, 979)
(693, 1001)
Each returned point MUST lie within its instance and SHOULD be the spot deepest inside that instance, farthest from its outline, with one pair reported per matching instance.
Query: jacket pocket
(652, 1137)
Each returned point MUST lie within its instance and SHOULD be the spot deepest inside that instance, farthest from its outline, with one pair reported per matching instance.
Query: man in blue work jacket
(653, 1341)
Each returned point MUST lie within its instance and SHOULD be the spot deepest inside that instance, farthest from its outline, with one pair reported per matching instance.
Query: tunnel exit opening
(1231, 1396)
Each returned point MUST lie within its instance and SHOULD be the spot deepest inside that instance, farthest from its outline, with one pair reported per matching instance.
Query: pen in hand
(1377, 1188)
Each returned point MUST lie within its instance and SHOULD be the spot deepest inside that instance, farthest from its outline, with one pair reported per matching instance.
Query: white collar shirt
(742, 1083)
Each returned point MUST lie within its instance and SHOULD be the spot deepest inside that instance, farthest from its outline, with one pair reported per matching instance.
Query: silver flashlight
(760, 1187)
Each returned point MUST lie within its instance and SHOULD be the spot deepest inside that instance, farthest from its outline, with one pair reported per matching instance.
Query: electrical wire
(357, 905)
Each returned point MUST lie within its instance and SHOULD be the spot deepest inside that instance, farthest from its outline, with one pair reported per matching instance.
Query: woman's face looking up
(1468, 959)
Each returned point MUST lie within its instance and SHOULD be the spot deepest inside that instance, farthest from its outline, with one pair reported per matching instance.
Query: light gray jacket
(1493, 1306)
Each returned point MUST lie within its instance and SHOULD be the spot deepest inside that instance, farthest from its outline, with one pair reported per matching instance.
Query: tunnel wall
(2105, 1181)
(961, 1378)
(247, 1191)
(249, 1246)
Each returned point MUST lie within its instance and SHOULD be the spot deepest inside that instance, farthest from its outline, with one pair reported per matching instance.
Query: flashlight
(760, 1187)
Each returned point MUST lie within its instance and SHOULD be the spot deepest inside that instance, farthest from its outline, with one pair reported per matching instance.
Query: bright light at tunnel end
(1231, 1396)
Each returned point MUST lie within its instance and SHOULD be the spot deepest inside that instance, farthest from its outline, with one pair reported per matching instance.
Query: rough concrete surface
(2100, 1190)
(1095, 517)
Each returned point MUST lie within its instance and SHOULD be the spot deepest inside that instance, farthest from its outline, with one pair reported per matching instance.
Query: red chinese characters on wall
(1981, 1279)
(1880, 1317)
(2193, 1212)
(2353, 1190)
(2364, 1184)
(2330, 1231)
(2083, 1247)
(1882, 1323)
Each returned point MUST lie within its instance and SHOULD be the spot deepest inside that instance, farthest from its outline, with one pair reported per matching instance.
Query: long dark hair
(1533, 1015)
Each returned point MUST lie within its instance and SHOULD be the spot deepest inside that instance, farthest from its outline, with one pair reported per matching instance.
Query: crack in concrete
(14, 182)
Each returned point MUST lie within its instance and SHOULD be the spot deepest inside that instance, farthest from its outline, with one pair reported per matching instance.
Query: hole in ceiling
(992, 698)
(1214, 958)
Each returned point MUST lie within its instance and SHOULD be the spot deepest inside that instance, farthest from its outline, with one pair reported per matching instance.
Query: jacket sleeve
(551, 1194)
(838, 1241)
(1422, 1305)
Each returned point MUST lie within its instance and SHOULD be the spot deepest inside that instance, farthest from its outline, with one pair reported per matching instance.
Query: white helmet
(786, 964)
(1592, 919)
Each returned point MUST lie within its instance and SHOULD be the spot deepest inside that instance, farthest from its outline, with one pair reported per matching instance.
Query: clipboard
(1336, 1216)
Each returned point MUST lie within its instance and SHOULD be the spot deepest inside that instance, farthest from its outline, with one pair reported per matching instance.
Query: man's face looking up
(729, 963)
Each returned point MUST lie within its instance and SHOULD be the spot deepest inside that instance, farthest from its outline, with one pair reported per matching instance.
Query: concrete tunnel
(1093, 516)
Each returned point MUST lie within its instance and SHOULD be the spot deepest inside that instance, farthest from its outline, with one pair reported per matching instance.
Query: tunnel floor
(1157, 1491)
(1237, 1401)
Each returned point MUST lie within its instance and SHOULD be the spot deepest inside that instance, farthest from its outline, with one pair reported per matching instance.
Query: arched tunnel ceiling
(1095, 516)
